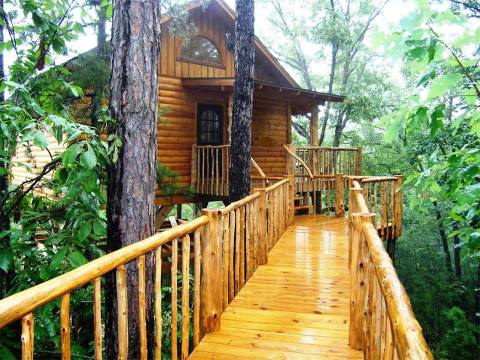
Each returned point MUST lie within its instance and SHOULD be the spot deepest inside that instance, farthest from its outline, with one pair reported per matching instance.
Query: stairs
(301, 205)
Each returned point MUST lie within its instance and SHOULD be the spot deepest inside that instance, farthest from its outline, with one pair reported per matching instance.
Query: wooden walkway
(297, 306)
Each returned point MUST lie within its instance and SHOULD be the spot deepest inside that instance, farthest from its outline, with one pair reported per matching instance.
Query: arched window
(200, 49)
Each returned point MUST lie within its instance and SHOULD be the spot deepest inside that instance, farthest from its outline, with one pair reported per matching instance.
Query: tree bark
(331, 80)
(457, 257)
(240, 150)
(131, 190)
(98, 91)
(443, 237)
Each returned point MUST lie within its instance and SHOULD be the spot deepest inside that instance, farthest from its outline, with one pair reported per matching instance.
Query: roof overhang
(302, 100)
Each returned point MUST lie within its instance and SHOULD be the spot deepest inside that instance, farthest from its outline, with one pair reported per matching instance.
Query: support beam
(314, 126)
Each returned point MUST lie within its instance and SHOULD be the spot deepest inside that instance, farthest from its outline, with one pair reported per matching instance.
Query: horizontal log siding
(269, 134)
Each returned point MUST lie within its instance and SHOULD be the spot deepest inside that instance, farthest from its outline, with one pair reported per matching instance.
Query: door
(209, 124)
(210, 133)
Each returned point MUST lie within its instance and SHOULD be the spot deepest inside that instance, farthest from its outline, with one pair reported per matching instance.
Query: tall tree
(240, 151)
(131, 192)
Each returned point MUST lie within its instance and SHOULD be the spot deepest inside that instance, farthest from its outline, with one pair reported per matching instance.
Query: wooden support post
(262, 228)
(27, 337)
(193, 171)
(291, 160)
(398, 206)
(291, 199)
(289, 122)
(358, 162)
(339, 207)
(358, 281)
(212, 279)
(65, 326)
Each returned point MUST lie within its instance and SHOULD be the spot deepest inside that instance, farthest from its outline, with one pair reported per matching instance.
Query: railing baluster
(142, 315)
(97, 317)
(65, 326)
(185, 295)
(242, 247)
(158, 303)
(122, 313)
(237, 250)
(226, 256)
(174, 323)
(27, 337)
(196, 289)
(231, 256)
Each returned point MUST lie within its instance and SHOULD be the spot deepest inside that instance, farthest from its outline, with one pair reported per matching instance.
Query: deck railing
(331, 160)
(382, 322)
(209, 170)
(229, 244)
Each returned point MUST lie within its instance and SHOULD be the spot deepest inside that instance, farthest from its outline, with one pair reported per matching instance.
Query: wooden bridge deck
(297, 306)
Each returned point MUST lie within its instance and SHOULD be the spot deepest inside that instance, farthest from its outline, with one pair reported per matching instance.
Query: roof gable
(265, 61)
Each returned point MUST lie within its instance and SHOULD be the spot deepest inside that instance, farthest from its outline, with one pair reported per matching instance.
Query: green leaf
(99, 228)
(437, 117)
(77, 259)
(88, 159)
(84, 231)
(90, 183)
(40, 140)
(6, 259)
(58, 259)
(444, 83)
(109, 11)
(70, 154)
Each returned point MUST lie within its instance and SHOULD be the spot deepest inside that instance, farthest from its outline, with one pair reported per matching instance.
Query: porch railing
(228, 245)
(382, 322)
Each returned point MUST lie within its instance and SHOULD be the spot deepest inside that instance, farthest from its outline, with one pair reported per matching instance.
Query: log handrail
(375, 286)
(258, 168)
(291, 153)
(242, 231)
(20, 304)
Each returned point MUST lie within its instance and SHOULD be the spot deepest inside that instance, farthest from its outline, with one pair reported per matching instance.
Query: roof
(301, 99)
(223, 7)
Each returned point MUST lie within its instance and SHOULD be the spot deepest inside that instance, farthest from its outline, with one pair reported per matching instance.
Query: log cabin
(266, 284)
(195, 96)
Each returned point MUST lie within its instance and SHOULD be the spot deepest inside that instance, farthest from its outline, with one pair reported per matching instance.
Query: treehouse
(266, 282)
(195, 96)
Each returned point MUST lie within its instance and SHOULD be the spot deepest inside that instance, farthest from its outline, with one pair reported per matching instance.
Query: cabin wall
(269, 134)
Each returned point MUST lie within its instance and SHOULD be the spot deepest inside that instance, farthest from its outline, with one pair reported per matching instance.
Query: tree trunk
(240, 150)
(457, 257)
(331, 80)
(443, 237)
(131, 190)
(98, 91)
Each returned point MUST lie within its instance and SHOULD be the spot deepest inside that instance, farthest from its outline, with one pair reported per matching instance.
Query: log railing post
(262, 228)
(211, 278)
(360, 258)
(193, 173)
(398, 206)
(358, 162)
(291, 198)
(339, 207)
(291, 161)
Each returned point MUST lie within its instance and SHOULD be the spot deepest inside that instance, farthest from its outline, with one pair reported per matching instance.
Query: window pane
(201, 49)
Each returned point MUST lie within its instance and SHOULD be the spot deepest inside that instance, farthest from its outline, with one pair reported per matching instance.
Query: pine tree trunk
(443, 237)
(131, 191)
(98, 91)
(240, 151)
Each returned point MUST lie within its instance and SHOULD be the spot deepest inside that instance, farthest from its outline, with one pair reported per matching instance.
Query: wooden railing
(229, 244)
(209, 170)
(383, 195)
(382, 322)
(331, 161)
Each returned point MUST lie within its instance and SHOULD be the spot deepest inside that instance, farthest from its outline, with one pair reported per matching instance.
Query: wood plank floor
(297, 306)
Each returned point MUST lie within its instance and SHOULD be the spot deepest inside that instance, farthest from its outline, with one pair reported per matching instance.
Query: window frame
(221, 130)
(220, 65)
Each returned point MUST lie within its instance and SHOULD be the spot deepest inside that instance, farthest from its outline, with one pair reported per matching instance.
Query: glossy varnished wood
(294, 307)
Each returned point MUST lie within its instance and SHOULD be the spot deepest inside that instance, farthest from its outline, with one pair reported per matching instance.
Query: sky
(392, 13)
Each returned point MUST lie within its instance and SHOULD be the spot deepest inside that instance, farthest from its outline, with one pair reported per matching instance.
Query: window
(209, 124)
(200, 49)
